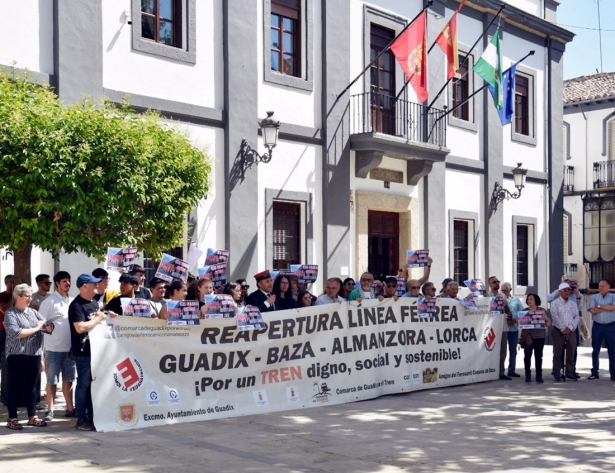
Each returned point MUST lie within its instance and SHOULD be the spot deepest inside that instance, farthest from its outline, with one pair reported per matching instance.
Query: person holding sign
(128, 286)
(414, 285)
(538, 340)
(177, 291)
(263, 298)
(390, 289)
(515, 305)
(494, 292)
(602, 308)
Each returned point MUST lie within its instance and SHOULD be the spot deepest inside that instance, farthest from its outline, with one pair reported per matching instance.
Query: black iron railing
(604, 174)
(377, 112)
(568, 178)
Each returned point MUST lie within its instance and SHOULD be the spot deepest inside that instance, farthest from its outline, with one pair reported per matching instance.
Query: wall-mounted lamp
(500, 194)
(269, 127)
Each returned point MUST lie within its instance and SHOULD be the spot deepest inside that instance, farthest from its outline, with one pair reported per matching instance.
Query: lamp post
(500, 194)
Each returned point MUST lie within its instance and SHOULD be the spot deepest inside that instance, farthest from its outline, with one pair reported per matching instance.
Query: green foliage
(86, 176)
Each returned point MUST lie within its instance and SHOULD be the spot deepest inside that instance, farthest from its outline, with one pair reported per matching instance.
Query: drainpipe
(546, 153)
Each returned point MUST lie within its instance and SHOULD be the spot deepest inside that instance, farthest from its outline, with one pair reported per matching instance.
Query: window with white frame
(524, 250)
(462, 245)
(523, 127)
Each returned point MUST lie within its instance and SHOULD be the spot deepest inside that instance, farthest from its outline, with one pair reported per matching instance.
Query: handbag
(525, 340)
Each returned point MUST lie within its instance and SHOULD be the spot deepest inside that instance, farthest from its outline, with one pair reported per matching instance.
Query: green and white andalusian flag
(489, 67)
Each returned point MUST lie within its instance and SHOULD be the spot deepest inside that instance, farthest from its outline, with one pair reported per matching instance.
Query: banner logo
(153, 398)
(489, 337)
(128, 375)
(127, 414)
(322, 392)
(430, 375)
(260, 397)
(173, 396)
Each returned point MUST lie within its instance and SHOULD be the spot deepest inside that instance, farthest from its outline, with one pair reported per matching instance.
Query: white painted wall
(535, 7)
(291, 105)
(41, 263)
(144, 74)
(295, 167)
(26, 35)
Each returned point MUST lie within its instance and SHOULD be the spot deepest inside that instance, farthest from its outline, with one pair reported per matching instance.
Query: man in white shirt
(332, 289)
(565, 316)
(57, 345)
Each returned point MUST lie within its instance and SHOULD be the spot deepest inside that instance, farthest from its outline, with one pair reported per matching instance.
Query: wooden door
(383, 237)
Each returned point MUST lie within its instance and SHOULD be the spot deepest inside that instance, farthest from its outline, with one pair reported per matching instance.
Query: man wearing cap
(83, 315)
(128, 286)
(262, 297)
(565, 316)
(602, 308)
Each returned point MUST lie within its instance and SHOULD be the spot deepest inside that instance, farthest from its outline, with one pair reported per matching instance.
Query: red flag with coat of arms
(447, 40)
(410, 50)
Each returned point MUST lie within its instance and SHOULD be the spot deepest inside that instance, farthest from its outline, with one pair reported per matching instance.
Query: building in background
(356, 179)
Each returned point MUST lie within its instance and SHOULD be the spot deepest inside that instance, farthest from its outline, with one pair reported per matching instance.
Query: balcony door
(382, 80)
(383, 237)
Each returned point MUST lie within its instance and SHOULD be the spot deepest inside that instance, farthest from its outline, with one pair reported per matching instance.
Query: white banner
(146, 373)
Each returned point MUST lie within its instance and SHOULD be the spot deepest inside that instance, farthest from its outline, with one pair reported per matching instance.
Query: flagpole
(429, 3)
(531, 53)
(502, 7)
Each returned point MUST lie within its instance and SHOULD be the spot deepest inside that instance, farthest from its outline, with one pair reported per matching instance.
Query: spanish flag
(410, 50)
(447, 40)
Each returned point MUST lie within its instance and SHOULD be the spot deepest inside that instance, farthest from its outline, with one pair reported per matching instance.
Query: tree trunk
(21, 261)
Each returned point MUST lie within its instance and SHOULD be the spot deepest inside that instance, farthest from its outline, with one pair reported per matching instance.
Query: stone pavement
(495, 426)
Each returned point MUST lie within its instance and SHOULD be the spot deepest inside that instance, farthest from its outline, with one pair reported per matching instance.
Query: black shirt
(81, 310)
(142, 293)
(115, 305)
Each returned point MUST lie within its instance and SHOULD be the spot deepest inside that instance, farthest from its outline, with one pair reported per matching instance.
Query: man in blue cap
(83, 315)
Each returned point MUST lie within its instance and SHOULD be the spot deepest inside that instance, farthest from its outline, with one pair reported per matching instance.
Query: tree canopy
(85, 176)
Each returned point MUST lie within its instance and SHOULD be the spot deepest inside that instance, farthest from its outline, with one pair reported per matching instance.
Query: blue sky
(582, 56)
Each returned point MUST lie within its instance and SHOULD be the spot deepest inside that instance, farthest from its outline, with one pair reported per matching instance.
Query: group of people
(37, 326)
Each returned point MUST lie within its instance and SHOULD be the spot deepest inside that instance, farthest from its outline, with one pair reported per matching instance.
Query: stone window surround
(471, 217)
(306, 80)
(187, 53)
(532, 269)
(472, 123)
(307, 231)
(532, 109)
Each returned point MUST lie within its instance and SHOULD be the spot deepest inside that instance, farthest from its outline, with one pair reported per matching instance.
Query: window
(522, 120)
(165, 28)
(598, 231)
(286, 234)
(522, 255)
(460, 251)
(160, 21)
(285, 37)
(566, 241)
(460, 94)
(382, 80)
(288, 43)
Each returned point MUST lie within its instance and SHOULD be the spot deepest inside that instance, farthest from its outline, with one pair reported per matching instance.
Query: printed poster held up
(121, 258)
(249, 318)
(171, 268)
(215, 272)
(219, 306)
(216, 256)
(306, 273)
(476, 287)
(417, 258)
(136, 307)
(532, 319)
(183, 313)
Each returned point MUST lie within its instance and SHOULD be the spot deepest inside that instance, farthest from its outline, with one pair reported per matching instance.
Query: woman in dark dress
(283, 294)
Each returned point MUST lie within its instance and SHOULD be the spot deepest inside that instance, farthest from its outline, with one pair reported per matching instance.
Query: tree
(87, 176)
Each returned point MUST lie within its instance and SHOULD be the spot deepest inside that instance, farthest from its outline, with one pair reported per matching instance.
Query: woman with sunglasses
(244, 290)
(24, 346)
(347, 287)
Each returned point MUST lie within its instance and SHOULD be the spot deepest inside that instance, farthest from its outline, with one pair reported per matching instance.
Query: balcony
(568, 178)
(604, 174)
(381, 126)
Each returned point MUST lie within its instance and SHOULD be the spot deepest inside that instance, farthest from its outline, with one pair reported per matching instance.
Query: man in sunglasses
(390, 289)
(365, 290)
(43, 281)
(493, 290)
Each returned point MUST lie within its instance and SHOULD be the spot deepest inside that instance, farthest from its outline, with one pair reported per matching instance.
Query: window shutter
(612, 139)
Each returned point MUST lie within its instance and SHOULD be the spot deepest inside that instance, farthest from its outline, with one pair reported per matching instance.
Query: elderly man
(332, 289)
(128, 288)
(262, 297)
(83, 315)
(364, 291)
(413, 286)
(428, 289)
(451, 291)
(57, 345)
(602, 308)
(493, 290)
(43, 282)
(390, 289)
(515, 305)
(565, 316)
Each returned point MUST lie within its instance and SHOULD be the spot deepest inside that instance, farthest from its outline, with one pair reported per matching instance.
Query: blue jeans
(83, 393)
(598, 333)
(513, 339)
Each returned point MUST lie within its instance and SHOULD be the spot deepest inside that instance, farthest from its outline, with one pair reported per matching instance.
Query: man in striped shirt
(602, 308)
